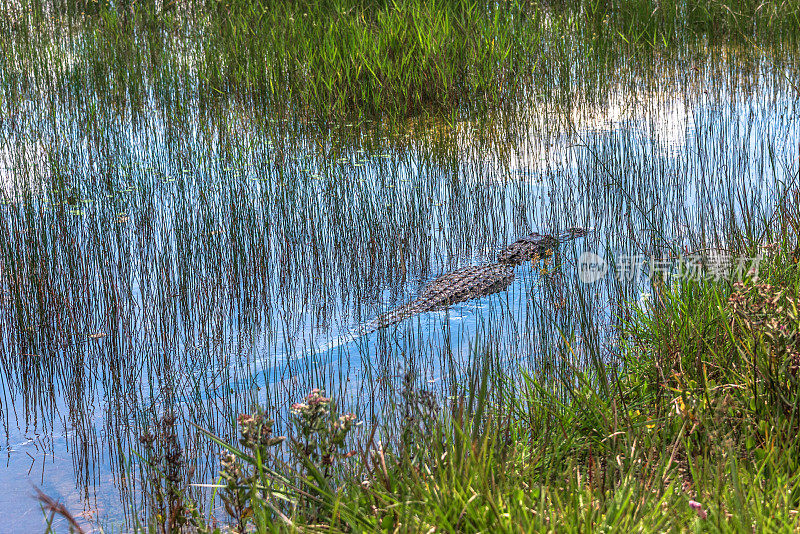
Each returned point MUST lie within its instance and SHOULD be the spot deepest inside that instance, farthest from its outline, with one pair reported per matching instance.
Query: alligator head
(536, 245)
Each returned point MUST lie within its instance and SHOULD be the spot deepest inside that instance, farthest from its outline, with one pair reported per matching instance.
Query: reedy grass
(337, 59)
(125, 59)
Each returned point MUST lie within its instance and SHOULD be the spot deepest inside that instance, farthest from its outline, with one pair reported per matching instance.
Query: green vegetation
(196, 192)
(355, 58)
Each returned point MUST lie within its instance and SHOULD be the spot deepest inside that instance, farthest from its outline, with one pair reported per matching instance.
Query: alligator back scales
(458, 286)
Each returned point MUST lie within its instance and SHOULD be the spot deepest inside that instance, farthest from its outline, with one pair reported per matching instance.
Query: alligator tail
(395, 316)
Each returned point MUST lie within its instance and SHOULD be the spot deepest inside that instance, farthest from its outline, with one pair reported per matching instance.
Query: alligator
(473, 281)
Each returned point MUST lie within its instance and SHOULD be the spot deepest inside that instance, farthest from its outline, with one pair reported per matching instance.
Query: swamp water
(209, 258)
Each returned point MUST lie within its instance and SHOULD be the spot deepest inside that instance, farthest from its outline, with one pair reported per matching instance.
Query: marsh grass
(195, 194)
(335, 59)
